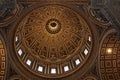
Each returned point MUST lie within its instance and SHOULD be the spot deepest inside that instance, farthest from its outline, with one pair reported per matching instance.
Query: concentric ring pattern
(53, 41)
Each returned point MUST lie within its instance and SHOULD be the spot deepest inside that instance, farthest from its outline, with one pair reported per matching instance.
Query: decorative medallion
(53, 41)
(8, 15)
(97, 17)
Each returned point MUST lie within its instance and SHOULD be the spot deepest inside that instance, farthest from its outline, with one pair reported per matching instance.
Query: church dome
(53, 41)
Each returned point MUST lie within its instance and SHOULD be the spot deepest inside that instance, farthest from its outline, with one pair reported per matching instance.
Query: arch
(108, 60)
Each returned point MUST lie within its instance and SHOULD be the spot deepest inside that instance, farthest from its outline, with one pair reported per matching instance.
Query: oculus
(53, 26)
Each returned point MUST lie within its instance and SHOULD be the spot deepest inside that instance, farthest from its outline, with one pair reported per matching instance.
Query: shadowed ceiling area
(59, 40)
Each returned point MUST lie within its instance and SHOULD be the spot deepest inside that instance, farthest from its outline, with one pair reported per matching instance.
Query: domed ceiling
(109, 59)
(53, 41)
